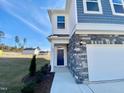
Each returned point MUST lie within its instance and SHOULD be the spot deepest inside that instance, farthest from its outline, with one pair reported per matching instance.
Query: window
(117, 7)
(60, 22)
(92, 6)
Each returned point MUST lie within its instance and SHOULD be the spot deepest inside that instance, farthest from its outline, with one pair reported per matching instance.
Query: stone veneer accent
(77, 54)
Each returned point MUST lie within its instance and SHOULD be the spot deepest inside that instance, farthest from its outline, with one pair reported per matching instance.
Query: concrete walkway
(64, 83)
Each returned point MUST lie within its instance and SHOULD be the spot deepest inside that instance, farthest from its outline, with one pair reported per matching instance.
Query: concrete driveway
(108, 87)
(64, 83)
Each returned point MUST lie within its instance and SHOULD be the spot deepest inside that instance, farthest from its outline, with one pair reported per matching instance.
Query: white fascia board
(51, 12)
(65, 10)
(105, 45)
(95, 28)
(59, 40)
(99, 32)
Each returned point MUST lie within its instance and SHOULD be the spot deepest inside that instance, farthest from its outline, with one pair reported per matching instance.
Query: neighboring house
(87, 37)
(31, 51)
(43, 52)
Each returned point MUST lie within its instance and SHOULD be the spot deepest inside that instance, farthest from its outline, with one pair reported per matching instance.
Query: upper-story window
(61, 22)
(117, 7)
(92, 6)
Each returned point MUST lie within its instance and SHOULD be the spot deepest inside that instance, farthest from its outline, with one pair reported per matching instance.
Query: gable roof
(50, 11)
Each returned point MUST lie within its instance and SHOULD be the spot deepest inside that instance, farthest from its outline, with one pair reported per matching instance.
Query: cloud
(8, 36)
(33, 13)
(48, 4)
(30, 15)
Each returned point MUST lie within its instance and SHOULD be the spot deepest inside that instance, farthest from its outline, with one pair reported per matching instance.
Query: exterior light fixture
(82, 42)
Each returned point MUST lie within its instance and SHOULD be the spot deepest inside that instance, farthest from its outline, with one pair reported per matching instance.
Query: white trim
(55, 29)
(76, 16)
(52, 57)
(113, 9)
(105, 45)
(99, 32)
(95, 27)
(65, 55)
(58, 48)
(72, 32)
(59, 40)
(93, 12)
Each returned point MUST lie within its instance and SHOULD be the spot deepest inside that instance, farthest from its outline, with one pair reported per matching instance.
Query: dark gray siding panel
(106, 17)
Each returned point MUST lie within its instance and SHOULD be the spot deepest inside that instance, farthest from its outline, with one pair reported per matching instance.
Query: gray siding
(106, 17)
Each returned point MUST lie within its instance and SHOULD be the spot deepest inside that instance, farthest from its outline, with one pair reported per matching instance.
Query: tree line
(2, 34)
(19, 43)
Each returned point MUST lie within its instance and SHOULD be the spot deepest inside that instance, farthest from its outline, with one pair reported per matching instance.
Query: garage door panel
(105, 62)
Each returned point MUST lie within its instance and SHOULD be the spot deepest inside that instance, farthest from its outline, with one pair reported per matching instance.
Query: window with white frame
(117, 7)
(61, 22)
(92, 6)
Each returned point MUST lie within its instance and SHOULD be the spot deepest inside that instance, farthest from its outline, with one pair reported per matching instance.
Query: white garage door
(105, 62)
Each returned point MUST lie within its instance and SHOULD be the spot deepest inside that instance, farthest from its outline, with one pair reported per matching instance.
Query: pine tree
(32, 69)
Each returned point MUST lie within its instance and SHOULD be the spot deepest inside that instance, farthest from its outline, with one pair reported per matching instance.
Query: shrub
(32, 69)
(45, 69)
(39, 76)
(28, 88)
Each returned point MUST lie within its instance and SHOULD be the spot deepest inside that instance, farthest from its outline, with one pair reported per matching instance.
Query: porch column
(52, 57)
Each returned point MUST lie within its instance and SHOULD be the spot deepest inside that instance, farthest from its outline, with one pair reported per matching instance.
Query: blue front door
(60, 57)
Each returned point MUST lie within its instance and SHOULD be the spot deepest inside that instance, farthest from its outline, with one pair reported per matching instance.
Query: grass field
(12, 70)
(20, 55)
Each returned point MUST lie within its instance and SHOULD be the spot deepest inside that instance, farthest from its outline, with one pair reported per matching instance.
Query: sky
(27, 19)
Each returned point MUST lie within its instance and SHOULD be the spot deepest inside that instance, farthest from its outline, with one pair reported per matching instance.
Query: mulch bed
(45, 85)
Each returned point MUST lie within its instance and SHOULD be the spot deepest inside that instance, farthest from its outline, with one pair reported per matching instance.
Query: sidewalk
(64, 83)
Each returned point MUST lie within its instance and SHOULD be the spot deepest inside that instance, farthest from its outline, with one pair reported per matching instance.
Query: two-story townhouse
(87, 37)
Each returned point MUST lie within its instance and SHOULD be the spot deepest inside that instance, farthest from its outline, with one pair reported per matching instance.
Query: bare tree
(2, 34)
(17, 41)
(24, 42)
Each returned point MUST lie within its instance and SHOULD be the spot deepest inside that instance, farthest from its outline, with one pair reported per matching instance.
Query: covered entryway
(105, 62)
(58, 51)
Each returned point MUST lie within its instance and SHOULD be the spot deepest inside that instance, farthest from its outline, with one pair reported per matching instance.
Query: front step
(60, 69)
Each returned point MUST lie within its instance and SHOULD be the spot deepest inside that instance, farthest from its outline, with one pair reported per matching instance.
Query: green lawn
(12, 70)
